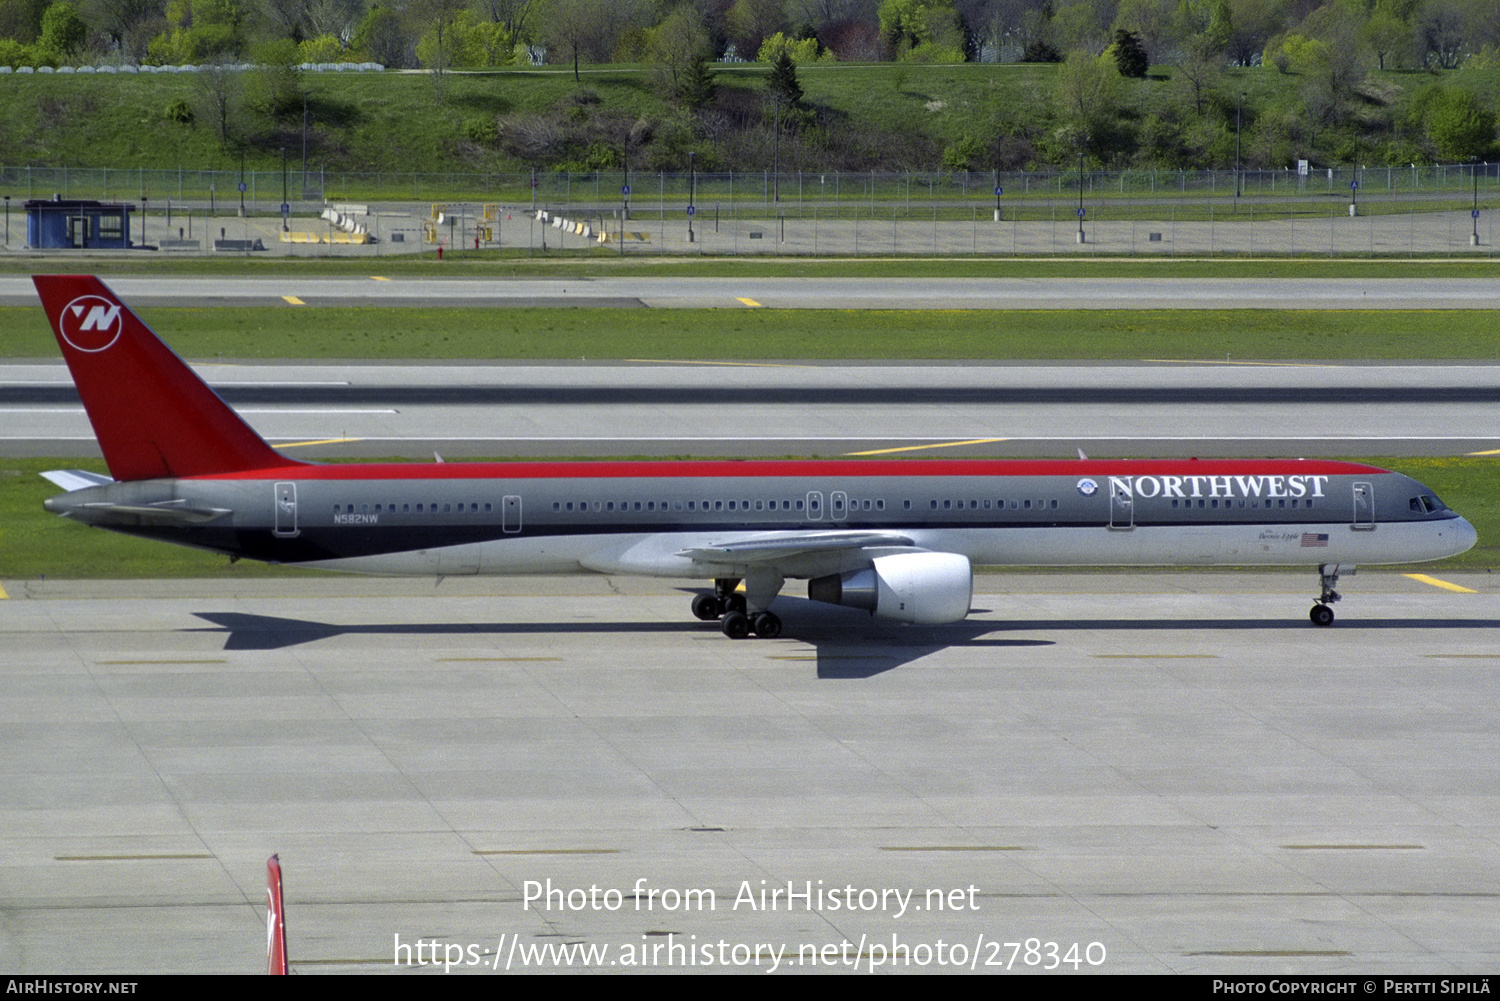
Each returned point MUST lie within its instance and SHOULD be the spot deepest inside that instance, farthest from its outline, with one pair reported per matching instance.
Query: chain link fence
(1418, 210)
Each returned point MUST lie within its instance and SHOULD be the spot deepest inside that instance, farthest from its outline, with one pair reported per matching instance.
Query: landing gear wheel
(767, 625)
(736, 625)
(706, 607)
(1321, 615)
(732, 603)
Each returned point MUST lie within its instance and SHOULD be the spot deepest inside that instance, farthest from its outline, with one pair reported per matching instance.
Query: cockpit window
(1426, 504)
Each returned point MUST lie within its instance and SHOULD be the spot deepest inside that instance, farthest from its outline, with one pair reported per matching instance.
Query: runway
(661, 409)
(1173, 772)
(802, 293)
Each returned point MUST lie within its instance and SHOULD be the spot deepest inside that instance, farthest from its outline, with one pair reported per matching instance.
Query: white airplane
(898, 538)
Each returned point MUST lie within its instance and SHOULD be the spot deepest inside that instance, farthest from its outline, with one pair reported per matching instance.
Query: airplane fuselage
(642, 517)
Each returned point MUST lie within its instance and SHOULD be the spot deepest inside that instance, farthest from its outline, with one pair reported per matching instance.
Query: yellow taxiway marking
(1255, 364)
(1355, 847)
(294, 300)
(379, 278)
(325, 441)
(952, 848)
(724, 364)
(1157, 656)
(1440, 583)
(1493, 451)
(129, 858)
(747, 302)
(126, 663)
(918, 448)
(546, 851)
(3, 595)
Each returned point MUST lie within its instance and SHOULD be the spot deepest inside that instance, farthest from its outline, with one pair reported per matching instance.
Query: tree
(698, 86)
(1130, 55)
(1456, 125)
(676, 45)
(435, 49)
(383, 37)
(63, 33)
(220, 92)
(1088, 90)
(782, 83)
(587, 29)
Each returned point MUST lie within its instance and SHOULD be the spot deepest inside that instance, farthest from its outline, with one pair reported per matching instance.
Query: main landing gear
(733, 612)
(1328, 576)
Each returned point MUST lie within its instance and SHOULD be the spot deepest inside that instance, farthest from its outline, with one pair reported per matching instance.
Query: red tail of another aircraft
(153, 416)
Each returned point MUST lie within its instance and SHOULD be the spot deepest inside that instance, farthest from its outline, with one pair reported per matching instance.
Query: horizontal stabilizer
(75, 479)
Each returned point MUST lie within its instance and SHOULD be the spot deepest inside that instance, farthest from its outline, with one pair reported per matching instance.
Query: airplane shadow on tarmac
(846, 644)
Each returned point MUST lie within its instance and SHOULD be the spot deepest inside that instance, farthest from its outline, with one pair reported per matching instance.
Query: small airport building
(77, 224)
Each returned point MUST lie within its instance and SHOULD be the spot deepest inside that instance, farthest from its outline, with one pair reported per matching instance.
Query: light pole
(285, 203)
(692, 189)
(1474, 213)
(776, 169)
(1081, 237)
(1238, 113)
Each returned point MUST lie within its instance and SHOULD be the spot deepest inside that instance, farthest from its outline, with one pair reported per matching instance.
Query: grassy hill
(858, 117)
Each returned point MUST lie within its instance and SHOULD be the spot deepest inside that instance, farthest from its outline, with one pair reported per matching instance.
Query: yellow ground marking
(126, 858)
(1268, 953)
(1493, 451)
(490, 660)
(325, 441)
(726, 364)
(918, 448)
(952, 848)
(747, 302)
(546, 851)
(1440, 583)
(3, 595)
(294, 300)
(119, 663)
(1263, 364)
(378, 278)
(1362, 848)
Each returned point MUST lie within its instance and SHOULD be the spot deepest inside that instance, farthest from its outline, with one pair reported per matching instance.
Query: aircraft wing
(773, 548)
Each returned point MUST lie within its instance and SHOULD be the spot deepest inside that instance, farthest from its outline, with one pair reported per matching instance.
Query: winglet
(153, 416)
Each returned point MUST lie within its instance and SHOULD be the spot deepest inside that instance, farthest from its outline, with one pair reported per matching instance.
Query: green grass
(311, 332)
(35, 544)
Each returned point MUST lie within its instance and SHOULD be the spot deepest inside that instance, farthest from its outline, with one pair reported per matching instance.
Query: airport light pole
(1238, 174)
(1474, 213)
(1081, 237)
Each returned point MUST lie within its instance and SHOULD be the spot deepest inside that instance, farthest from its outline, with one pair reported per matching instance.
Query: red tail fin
(153, 416)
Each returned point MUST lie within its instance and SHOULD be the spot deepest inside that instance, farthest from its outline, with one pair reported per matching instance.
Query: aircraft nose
(1464, 536)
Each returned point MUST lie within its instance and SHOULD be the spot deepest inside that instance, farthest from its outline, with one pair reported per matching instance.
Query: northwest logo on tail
(91, 323)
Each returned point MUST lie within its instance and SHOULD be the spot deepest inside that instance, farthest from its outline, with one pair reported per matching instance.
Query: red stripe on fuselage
(809, 468)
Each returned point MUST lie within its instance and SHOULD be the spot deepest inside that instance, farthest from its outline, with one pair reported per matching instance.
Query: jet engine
(928, 588)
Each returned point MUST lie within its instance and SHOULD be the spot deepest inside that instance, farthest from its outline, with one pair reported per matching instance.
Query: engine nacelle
(927, 588)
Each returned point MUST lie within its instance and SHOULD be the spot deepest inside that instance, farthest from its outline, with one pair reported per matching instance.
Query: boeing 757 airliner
(896, 538)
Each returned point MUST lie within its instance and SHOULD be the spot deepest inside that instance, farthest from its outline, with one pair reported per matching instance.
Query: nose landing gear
(1328, 577)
